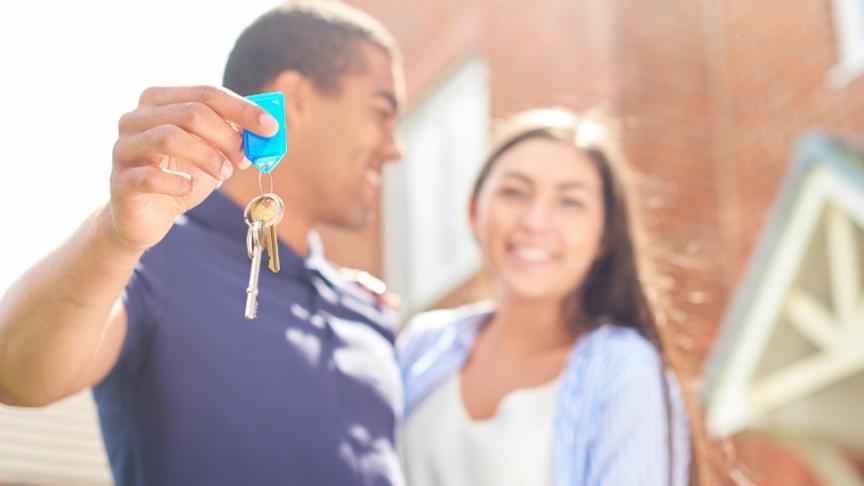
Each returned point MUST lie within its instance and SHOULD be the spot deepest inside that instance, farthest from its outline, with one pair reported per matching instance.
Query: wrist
(108, 237)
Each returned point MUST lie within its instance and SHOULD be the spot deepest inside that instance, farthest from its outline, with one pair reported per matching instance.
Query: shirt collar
(316, 259)
(223, 216)
(470, 319)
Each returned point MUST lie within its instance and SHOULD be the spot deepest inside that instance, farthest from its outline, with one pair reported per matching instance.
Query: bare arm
(62, 323)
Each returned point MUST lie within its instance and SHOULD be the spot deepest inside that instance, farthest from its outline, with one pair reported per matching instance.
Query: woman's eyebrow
(573, 185)
(517, 175)
(563, 186)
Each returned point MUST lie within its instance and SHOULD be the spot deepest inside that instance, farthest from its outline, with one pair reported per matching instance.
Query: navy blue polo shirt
(307, 394)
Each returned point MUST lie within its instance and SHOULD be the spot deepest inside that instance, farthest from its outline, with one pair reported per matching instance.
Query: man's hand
(172, 152)
(63, 323)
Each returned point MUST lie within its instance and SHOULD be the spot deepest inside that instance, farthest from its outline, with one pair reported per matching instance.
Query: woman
(560, 379)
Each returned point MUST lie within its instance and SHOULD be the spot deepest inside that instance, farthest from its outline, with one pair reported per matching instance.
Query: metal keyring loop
(280, 205)
(252, 238)
(260, 186)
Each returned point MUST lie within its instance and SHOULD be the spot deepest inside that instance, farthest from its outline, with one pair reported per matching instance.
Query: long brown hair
(613, 287)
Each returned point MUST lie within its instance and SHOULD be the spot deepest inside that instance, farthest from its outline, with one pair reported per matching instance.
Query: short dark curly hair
(317, 38)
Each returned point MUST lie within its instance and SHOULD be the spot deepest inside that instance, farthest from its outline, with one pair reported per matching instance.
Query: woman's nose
(536, 216)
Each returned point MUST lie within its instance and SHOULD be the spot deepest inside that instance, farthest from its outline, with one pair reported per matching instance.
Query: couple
(559, 380)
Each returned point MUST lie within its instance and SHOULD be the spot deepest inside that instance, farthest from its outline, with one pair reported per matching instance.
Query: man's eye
(572, 202)
(383, 114)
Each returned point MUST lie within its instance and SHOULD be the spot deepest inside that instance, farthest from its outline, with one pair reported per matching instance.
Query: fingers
(197, 126)
(154, 180)
(225, 103)
(195, 118)
(150, 147)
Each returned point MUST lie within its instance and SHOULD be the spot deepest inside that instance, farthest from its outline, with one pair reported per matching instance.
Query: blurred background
(743, 131)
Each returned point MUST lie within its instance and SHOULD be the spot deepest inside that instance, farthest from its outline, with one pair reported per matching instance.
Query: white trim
(797, 380)
(428, 245)
(811, 319)
(732, 411)
(740, 401)
(849, 29)
(843, 262)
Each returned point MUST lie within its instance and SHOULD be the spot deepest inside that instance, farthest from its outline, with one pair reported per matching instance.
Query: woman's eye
(572, 203)
(511, 192)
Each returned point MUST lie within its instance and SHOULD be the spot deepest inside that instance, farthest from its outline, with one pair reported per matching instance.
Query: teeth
(533, 254)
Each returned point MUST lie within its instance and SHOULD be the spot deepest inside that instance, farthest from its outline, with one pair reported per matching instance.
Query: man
(145, 302)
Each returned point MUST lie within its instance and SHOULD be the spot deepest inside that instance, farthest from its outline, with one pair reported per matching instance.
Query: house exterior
(715, 99)
(788, 361)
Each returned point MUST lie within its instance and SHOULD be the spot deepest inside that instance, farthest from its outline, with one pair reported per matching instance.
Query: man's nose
(393, 149)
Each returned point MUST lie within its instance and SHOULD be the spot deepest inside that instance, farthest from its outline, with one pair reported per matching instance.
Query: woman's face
(539, 219)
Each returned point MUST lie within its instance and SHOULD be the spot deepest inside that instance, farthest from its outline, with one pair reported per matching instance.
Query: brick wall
(775, 76)
(665, 101)
(770, 78)
(711, 97)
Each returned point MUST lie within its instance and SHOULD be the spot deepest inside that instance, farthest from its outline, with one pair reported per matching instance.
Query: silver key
(261, 215)
(253, 249)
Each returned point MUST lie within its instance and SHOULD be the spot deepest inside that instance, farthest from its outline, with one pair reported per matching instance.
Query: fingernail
(226, 170)
(269, 123)
(245, 164)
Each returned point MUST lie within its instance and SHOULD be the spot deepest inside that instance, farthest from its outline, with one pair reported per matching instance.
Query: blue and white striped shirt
(611, 425)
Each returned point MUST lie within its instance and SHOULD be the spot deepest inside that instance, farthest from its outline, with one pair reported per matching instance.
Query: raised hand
(171, 153)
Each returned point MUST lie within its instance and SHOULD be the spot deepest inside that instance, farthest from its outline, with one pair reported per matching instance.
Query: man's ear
(297, 89)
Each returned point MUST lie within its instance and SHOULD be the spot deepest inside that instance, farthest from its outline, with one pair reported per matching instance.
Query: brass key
(269, 208)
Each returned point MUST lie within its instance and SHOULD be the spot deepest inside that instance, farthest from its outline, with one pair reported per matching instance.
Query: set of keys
(262, 214)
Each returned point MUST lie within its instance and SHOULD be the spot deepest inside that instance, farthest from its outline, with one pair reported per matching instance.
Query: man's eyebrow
(390, 97)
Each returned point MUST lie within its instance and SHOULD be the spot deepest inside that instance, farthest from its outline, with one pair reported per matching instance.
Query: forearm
(55, 332)
(53, 318)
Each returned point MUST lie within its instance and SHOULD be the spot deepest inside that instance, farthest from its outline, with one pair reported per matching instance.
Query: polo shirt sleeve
(144, 299)
(631, 444)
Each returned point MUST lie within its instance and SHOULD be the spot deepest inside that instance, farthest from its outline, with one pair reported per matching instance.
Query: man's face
(345, 140)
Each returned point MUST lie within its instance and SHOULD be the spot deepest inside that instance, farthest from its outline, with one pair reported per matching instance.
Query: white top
(441, 444)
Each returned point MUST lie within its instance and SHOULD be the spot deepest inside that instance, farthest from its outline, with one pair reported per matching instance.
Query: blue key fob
(266, 152)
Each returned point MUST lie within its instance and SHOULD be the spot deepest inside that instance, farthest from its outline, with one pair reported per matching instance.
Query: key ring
(252, 238)
(269, 197)
(261, 187)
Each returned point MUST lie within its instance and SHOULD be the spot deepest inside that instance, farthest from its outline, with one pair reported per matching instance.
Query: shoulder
(613, 355)
(366, 284)
(423, 330)
(435, 322)
(614, 367)
(357, 293)
(618, 344)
